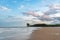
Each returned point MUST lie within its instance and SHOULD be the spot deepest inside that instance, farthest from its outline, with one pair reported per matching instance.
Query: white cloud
(54, 11)
(4, 9)
(40, 13)
(56, 6)
(57, 15)
(51, 12)
(28, 17)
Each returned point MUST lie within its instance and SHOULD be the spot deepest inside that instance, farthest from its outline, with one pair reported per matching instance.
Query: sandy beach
(47, 33)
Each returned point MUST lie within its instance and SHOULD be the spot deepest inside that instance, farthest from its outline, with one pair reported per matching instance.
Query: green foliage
(45, 25)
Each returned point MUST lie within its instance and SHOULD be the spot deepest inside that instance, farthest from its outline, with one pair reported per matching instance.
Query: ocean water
(16, 33)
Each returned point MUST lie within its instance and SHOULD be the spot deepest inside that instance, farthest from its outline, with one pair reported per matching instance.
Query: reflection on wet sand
(16, 33)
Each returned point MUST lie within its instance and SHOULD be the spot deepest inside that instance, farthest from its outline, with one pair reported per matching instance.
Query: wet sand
(47, 33)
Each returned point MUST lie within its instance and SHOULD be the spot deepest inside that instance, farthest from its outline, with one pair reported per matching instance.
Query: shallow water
(16, 33)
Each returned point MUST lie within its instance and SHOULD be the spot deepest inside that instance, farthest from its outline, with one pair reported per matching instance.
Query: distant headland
(43, 25)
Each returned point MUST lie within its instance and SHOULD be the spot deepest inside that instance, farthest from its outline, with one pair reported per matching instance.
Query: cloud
(13, 18)
(21, 7)
(12, 21)
(28, 17)
(4, 9)
(52, 9)
(56, 21)
(50, 15)
(55, 6)
(35, 17)
(57, 15)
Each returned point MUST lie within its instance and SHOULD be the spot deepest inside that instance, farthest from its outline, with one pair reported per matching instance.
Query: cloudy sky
(16, 12)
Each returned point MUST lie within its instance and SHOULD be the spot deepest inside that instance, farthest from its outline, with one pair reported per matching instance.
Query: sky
(16, 12)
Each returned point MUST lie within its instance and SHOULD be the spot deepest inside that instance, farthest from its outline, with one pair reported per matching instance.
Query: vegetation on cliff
(43, 25)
